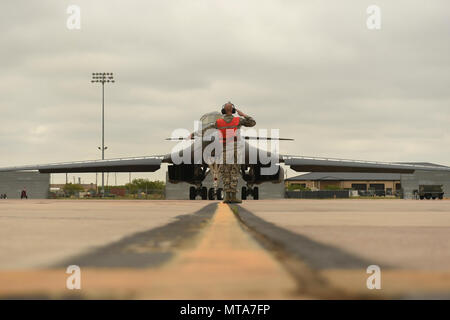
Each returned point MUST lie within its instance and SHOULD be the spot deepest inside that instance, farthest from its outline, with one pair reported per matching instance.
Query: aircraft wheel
(204, 193)
(211, 194)
(220, 194)
(244, 193)
(192, 193)
(255, 193)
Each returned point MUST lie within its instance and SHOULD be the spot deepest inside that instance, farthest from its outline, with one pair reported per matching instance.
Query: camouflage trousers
(229, 174)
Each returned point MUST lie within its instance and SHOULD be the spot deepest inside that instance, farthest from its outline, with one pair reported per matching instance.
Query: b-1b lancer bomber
(185, 166)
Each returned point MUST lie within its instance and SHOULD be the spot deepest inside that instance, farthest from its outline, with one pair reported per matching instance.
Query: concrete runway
(266, 249)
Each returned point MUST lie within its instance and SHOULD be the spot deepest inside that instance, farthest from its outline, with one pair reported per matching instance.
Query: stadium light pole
(103, 77)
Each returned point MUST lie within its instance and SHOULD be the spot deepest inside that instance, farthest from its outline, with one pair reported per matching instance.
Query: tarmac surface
(265, 249)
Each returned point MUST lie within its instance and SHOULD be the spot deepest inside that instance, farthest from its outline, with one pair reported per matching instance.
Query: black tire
(433, 197)
(255, 193)
(421, 197)
(211, 194)
(244, 193)
(428, 196)
(204, 193)
(192, 193)
(441, 196)
(220, 194)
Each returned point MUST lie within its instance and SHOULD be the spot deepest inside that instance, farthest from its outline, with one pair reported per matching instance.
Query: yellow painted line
(225, 263)
(229, 263)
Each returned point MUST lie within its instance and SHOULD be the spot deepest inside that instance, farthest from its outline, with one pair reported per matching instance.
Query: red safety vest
(227, 129)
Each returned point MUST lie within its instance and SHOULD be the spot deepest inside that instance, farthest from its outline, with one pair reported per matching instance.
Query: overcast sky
(310, 68)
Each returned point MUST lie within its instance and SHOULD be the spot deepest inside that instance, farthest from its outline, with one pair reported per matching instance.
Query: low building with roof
(372, 183)
(389, 183)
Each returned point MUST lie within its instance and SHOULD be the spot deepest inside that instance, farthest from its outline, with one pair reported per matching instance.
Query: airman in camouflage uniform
(230, 171)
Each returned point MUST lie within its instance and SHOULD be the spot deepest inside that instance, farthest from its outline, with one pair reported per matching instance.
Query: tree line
(134, 187)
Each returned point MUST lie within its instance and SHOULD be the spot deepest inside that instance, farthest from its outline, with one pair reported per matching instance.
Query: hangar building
(411, 182)
(37, 184)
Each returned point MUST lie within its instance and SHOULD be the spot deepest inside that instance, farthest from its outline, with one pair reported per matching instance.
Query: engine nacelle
(253, 175)
(190, 173)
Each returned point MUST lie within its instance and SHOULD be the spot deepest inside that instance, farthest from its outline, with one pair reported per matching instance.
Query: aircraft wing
(136, 164)
(316, 164)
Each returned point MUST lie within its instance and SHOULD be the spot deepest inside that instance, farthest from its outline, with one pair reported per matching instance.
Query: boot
(234, 199)
(227, 197)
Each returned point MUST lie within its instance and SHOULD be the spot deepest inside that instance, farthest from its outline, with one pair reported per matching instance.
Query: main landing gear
(250, 191)
(198, 191)
(205, 194)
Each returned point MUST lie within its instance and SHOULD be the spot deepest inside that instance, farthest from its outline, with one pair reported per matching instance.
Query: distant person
(24, 194)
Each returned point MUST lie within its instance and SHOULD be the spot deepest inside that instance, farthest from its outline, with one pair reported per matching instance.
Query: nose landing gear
(215, 193)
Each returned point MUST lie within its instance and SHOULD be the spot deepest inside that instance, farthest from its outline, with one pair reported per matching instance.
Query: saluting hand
(239, 112)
